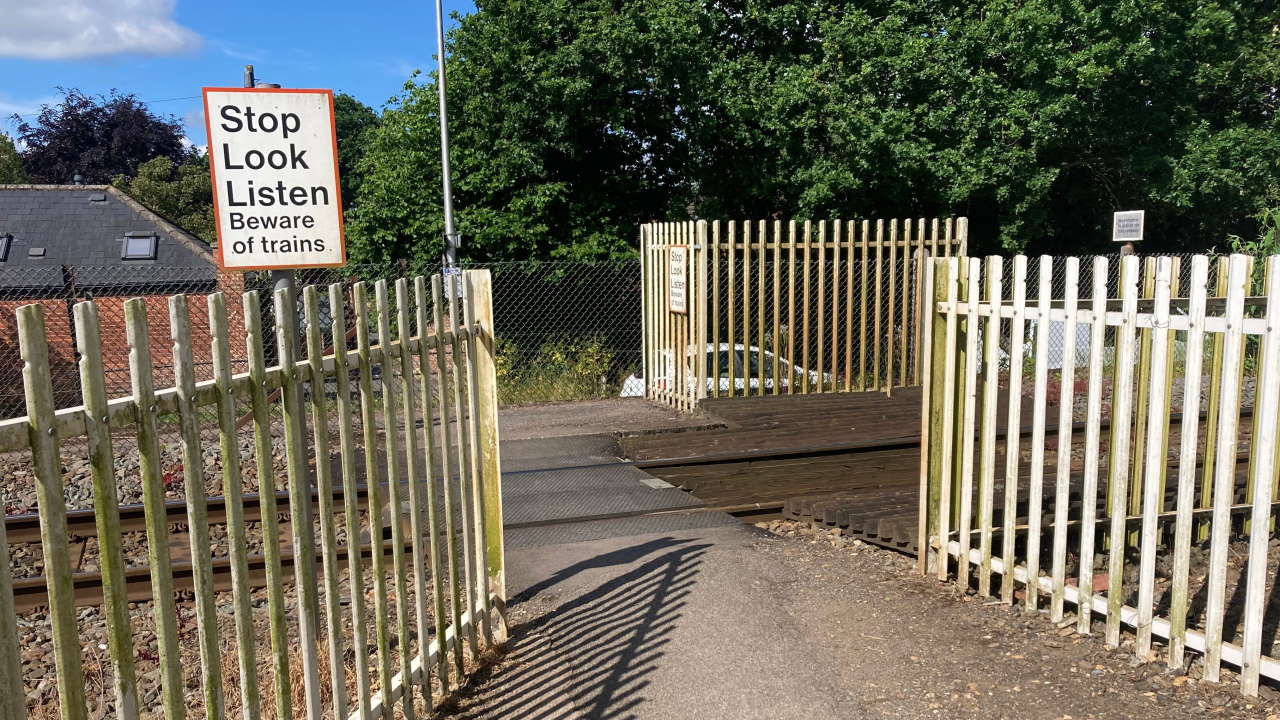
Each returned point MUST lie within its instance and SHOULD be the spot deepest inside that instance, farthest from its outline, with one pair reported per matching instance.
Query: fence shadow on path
(591, 655)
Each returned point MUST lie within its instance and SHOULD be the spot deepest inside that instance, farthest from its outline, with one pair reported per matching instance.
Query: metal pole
(285, 279)
(451, 239)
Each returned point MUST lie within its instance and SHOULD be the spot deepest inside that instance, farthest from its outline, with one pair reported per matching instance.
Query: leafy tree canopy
(352, 121)
(97, 137)
(574, 121)
(566, 122)
(180, 193)
(11, 171)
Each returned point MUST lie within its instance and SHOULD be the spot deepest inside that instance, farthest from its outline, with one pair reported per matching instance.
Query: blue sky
(165, 51)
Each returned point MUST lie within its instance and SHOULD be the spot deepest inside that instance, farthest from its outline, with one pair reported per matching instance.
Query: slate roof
(84, 226)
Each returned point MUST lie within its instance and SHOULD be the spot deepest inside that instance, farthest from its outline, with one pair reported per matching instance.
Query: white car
(746, 371)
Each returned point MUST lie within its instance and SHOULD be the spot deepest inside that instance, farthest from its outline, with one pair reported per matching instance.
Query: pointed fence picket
(426, 423)
(1127, 366)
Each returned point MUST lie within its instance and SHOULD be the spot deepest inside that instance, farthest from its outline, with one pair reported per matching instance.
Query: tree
(573, 122)
(1035, 119)
(180, 193)
(352, 121)
(566, 122)
(11, 171)
(97, 138)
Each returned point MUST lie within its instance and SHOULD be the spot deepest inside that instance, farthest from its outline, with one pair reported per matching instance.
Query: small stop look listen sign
(678, 278)
(273, 157)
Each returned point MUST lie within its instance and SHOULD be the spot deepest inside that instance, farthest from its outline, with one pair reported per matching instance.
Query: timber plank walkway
(774, 449)
(789, 424)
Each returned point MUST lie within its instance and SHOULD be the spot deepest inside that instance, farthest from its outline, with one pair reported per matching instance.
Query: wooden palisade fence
(787, 307)
(1061, 482)
(443, 567)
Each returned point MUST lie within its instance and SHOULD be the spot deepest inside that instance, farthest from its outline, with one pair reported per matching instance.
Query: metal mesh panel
(566, 330)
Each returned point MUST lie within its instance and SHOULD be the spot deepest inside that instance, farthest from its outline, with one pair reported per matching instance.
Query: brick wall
(63, 359)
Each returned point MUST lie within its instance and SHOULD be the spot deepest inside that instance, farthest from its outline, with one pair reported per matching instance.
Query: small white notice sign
(678, 278)
(1127, 225)
(273, 158)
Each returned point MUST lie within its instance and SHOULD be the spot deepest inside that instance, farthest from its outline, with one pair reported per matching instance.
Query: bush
(560, 370)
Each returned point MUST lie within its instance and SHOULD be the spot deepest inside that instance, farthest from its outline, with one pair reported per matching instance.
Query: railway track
(869, 489)
(80, 523)
(889, 518)
(31, 593)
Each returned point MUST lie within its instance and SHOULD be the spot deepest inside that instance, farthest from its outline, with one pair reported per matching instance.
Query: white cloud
(236, 52)
(26, 109)
(10, 105)
(69, 29)
(187, 142)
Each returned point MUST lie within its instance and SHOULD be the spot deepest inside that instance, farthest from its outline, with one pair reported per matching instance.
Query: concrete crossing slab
(579, 478)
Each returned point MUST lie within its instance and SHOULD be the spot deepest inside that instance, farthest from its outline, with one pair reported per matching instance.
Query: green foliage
(574, 121)
(11, 172)
(1268, 240)
(1035, 119)
(352, 121)
(179, 193)
(566, 121)
(559, 371)
(97, 138)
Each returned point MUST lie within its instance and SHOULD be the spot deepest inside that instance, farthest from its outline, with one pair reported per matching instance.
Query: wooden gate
(783, 308)
(414, 401)
(1101, 440)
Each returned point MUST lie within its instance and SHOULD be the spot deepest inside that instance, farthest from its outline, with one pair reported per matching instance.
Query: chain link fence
(566, 330)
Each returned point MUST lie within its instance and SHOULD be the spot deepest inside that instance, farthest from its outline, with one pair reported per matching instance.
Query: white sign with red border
(678, 278)
(273, 159)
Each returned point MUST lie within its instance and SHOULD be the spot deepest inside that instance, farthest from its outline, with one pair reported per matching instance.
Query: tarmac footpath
(624, 605)
(627, 601)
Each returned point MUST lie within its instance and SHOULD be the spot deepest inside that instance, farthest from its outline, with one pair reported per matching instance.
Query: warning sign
(273, 157)
(1127, 225)
(678, 278)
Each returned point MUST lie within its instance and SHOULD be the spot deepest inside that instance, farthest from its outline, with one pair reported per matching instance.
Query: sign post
(678, 278)
(451, 238)
(1127, 227)
(273, 159)
(273, 162)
